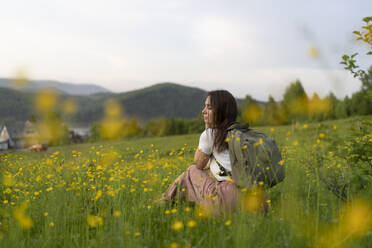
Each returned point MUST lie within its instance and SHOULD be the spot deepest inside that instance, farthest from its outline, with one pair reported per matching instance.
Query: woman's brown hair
(225, 111)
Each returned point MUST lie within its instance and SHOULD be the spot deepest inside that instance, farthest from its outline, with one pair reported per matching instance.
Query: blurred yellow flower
(69, 106)
(98, 195)
(252, 200)
(94, 221)
(19, 214)
(313, 51)
(173, 245)
(8, 179)
(252, 114)
(203, 211)
(20, 78)
(191, 223)
(46, 101)
(178, 225)
(357, 218)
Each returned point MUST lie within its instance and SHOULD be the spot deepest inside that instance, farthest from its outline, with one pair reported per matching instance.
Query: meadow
(102, 195)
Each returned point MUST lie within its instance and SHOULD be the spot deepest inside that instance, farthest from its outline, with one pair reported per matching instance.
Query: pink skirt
(202, 188)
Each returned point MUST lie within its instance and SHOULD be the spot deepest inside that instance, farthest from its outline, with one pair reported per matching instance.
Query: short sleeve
(206, 142)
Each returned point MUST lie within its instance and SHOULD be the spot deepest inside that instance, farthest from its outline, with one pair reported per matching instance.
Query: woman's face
(208, 112)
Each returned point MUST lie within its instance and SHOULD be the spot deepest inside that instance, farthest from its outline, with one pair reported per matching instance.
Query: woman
(211, 189)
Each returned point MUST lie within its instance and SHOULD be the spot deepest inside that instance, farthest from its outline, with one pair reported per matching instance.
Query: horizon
(176, 83)
(246, 48)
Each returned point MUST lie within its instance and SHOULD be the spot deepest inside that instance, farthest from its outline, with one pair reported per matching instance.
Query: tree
(333, 101)
(273, 115)
(295, 102)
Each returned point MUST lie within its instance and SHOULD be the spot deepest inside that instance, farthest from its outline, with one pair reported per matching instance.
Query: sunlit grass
(103, 195)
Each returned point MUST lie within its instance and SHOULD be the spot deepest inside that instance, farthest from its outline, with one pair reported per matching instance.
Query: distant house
(79, 134)
(17, 135)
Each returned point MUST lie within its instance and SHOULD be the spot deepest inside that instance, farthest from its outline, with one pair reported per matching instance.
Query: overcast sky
(246, 47)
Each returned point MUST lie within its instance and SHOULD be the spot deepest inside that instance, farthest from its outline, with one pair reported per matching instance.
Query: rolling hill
(157, 101)
(63, 87)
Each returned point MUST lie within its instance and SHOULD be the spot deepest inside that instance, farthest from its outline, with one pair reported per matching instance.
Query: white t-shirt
(223, 157)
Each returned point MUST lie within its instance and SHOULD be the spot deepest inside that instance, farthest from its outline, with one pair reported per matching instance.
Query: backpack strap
(223, 171)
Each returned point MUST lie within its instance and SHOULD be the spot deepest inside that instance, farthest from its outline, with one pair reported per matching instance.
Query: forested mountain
(157, 101)
(66, 88)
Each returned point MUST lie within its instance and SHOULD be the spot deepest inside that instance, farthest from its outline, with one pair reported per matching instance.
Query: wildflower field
(103, 194)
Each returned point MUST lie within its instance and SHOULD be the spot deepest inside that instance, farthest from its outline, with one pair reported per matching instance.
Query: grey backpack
(255, 158)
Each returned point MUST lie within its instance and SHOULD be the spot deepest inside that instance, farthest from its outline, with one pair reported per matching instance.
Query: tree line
(295, 106)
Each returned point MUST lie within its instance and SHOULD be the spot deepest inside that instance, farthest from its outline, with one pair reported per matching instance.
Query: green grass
(63, 182)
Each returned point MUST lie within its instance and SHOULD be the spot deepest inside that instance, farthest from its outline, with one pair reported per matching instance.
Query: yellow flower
(69, 106)
(8, 180)
(228, 223)
(203, 211)
(191, 223)
(117, 213)
(313, 51)
(51, 224)
(45, 101)
(321, 135)
(94, 221)
(173, 245)
(227, 140)
(46, 214)
(98, 195)
(178, 225)
(357, 218)
(252, 201)
(19, 214)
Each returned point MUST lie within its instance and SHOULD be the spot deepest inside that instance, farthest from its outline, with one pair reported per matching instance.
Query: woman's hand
(208, 165)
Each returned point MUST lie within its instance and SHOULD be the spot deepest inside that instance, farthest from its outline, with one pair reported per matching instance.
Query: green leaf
(367, 19)
(369, 53)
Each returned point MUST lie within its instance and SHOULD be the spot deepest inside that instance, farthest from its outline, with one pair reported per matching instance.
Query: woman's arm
(201, 159)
